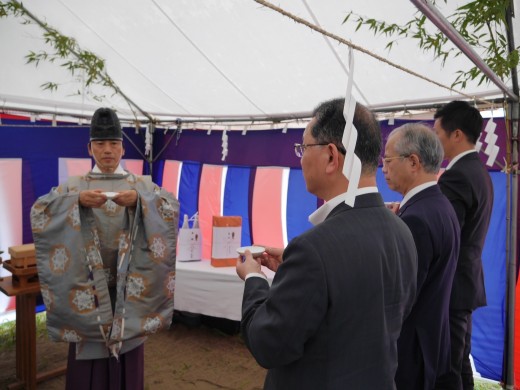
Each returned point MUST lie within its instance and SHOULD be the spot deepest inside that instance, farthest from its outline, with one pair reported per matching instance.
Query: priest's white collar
(119, 170)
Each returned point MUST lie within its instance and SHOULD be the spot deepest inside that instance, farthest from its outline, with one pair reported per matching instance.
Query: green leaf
(49, 86)
(482, 23)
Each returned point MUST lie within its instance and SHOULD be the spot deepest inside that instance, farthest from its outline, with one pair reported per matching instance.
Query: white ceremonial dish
(254, 249)
(110, 195)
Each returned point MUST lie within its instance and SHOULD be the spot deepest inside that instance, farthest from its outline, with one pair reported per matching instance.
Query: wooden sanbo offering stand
(24, 285)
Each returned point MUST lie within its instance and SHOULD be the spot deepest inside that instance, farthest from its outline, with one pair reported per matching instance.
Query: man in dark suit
(413, 156)
(467, 185)
(333, 314)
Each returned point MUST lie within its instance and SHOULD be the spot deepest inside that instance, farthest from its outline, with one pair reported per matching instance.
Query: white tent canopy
(221, 58)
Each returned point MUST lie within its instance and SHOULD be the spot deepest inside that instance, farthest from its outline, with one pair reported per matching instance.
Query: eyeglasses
(299, 149)
(387, 160)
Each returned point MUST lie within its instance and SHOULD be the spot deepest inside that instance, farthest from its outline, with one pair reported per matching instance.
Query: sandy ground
(197, 353)
(198, 357)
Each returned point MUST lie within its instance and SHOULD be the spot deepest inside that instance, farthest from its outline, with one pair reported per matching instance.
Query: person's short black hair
(461, 115)
(330, 124)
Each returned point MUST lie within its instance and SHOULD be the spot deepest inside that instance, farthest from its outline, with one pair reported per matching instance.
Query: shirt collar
(320, 214)
(366, 190)
(415, 191)
(119, 170)
(459, 156)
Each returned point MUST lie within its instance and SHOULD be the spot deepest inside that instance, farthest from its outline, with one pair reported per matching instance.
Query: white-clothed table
(201, 288)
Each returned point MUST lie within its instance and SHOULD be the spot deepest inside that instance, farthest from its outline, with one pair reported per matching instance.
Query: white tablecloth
(214, 291)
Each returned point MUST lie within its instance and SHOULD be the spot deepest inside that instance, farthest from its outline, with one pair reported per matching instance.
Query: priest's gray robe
(107, 274)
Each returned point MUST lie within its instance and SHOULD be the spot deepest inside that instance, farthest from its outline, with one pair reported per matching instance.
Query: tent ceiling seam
(123, 57)
(334, 52)
(228, 79)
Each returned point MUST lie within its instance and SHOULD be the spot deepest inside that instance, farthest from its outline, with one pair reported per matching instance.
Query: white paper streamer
(148, 141)
(491, 139)
(224, 145)
(352, 165)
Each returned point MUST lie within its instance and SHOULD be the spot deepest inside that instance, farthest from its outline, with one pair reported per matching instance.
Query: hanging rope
(361, 49)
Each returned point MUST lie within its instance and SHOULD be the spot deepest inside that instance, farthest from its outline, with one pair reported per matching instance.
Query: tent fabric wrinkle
(226, 58)
(190, 71)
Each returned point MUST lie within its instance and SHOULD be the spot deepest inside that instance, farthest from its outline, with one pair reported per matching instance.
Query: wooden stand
(24, 285)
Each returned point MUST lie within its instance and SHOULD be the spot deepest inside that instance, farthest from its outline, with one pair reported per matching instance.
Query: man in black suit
(467, 185)
(413, 156)
(333, 314)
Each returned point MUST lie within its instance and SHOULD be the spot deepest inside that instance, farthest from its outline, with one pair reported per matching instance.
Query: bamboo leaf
(482, 23)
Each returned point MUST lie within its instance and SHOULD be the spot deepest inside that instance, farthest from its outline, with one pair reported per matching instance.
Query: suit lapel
(426, 193)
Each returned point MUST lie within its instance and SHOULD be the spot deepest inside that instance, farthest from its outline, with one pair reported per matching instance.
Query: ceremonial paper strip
(490, 129)
(493, 153)
(352, 165)
(491, 138)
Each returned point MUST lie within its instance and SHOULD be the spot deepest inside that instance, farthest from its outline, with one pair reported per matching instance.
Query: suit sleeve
(277, 321)
(456, 188)
(423, 243)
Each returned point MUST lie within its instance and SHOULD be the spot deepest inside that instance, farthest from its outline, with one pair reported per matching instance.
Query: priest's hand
(126, 198)
(92, 198)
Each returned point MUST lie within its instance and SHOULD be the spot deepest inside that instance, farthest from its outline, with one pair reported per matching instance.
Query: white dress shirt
(320, 214)
(458, 157)
(416, 190)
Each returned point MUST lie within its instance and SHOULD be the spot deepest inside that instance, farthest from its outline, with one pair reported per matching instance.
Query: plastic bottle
(185, 223)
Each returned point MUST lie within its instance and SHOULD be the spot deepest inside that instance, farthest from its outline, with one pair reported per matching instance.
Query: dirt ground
(197, 353)
(204, 355)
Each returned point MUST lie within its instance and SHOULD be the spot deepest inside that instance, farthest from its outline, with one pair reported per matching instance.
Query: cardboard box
(227, 237)
(23, 256)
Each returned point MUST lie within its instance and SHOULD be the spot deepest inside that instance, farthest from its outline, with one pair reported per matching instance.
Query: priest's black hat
(105, 125)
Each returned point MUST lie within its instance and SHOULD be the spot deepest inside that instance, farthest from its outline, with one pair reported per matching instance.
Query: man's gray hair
(419, 139)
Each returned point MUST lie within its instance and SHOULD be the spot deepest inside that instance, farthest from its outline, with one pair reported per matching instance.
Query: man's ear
(414, 160)
(459, 135)
(123, 147)
(89, 149)
(334, 162)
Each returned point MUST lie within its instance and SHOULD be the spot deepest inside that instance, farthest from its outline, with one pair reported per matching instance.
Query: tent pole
(514, 108)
